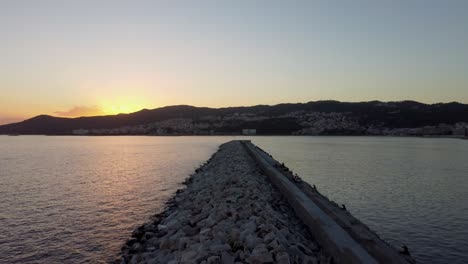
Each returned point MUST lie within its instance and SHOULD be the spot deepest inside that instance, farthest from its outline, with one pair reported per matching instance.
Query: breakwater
(242, 206)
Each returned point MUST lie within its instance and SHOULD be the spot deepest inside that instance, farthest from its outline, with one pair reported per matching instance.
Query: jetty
(243, 206)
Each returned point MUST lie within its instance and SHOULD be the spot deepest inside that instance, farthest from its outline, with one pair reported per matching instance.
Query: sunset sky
(75, 58)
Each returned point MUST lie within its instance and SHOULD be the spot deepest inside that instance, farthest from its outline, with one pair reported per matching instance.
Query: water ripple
(409, 190)
(77, 199)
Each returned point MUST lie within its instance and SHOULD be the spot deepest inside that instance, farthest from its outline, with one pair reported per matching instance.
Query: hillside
(321, 117)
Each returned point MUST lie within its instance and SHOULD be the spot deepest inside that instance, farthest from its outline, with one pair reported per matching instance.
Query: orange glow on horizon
(125, 108)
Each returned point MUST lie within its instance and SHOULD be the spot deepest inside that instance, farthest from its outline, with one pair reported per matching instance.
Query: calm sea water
(77, 199)
(411, 191)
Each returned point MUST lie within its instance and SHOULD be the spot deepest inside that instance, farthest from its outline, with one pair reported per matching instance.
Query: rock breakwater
(229, 212)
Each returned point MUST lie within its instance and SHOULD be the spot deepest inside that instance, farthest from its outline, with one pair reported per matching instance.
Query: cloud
(78, 111)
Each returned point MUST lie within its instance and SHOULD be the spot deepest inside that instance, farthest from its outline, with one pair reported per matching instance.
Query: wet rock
(153, 242)
(149, 235)
(135, 247)
(138, 233)
(162, 227)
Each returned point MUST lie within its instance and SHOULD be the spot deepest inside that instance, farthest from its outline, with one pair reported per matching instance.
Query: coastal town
(299, 122)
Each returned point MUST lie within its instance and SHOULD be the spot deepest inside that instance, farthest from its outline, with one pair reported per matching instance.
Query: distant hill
(355, 118)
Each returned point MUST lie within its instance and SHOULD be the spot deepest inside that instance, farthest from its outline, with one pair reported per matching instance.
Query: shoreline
(240, 135)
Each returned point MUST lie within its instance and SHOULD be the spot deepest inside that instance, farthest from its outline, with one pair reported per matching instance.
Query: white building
(249, 131)
(80, 132)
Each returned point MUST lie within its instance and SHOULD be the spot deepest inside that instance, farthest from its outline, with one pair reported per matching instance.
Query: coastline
(240, 135)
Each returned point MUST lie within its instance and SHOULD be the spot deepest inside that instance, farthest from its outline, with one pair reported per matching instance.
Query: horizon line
(238, 106)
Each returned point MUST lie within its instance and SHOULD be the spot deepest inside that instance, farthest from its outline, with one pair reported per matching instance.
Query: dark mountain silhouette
(402, 114)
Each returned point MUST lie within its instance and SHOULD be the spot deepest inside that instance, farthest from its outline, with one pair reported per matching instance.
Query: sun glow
(124, 104)
(121, 109)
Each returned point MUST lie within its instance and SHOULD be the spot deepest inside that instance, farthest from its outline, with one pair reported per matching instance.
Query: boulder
(282, 258)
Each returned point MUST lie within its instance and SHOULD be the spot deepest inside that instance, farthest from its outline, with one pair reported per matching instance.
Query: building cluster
(459, 130)
(310, 123)
(206, 125)
(318, 123)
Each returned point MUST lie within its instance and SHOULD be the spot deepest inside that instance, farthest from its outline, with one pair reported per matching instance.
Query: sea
(66, 199)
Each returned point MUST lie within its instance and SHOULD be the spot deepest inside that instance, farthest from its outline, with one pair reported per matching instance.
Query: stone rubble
(228, 213)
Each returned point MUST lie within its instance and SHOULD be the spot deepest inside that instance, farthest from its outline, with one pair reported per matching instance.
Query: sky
(78, 58)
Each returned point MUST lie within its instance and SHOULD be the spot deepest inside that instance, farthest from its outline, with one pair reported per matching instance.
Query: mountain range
(320, 117)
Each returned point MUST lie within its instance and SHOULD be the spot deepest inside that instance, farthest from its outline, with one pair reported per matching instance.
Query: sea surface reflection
(410, 191)
(77, 199)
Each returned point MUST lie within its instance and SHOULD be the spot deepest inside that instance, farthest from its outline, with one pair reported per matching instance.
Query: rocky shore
(228, 213)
